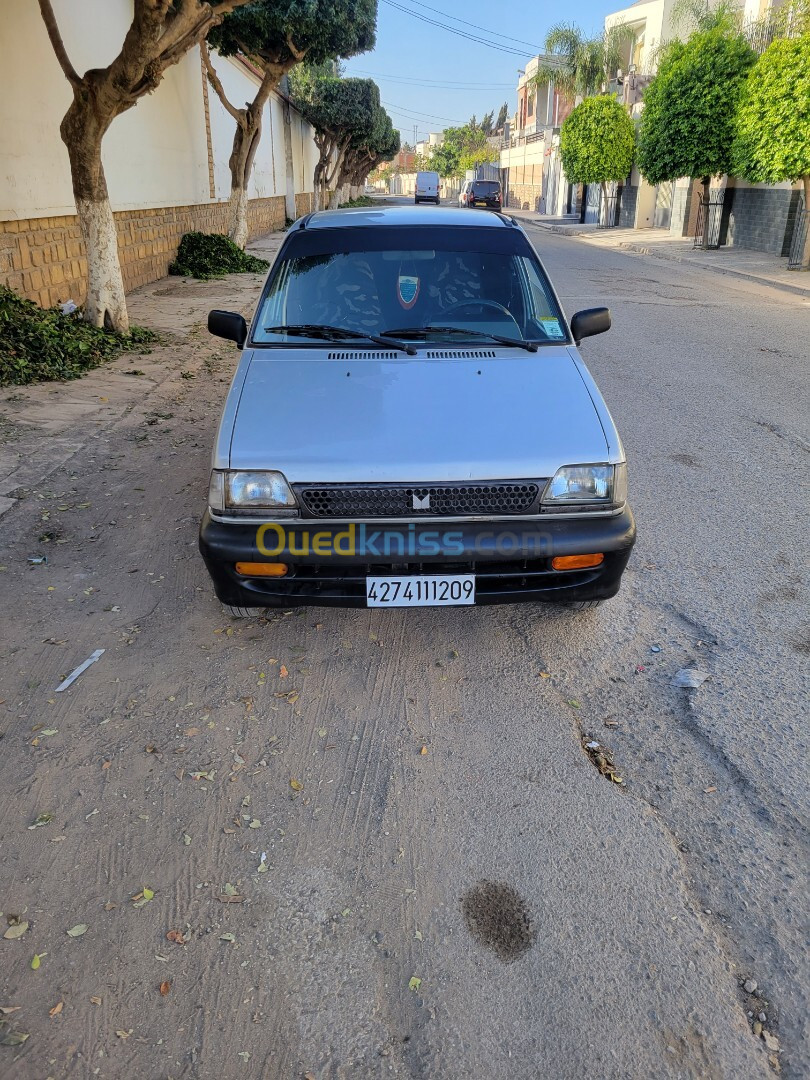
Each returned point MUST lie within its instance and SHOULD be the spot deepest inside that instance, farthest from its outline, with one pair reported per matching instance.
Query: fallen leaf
(283, 672)
(124, 1034)
(164, 988)
(255, 824)
(244, 1055)
(50, 731)
(414, 983)
(36, 961)
(545, 674)
(176, 936)
(709, 790)
(229, 889)
(95, 1000)
(6, 1010)
(12, 1038)
(418, 935)
(574, 704)
(296, 785)
(77, 930)
(190, 732)
(322, 732)
(227, 937)
(186, 839)
(424, 750)
(16, 931)
(106, 764)
(43, 819)
(235, 899)
(56, 1009)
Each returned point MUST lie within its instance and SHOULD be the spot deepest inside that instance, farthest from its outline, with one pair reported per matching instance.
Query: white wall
(155, 154)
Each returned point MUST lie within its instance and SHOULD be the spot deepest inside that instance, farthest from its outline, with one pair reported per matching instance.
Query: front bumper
(511, 558)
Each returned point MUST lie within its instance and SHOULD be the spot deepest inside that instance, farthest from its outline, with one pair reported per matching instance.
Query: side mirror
(229, 325)
(595, 320)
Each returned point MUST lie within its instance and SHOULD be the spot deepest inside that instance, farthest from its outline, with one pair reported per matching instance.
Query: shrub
(209, 255)
(38, 344)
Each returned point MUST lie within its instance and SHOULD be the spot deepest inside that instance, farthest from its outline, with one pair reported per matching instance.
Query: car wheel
(583, 605)
(243, 612)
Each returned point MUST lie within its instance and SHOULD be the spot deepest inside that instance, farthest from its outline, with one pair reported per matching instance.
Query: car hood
(494, 415)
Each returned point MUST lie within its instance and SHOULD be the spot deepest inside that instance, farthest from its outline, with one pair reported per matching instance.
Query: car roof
(403, 215)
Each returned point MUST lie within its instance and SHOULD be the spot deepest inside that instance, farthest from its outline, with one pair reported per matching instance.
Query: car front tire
(243, 612)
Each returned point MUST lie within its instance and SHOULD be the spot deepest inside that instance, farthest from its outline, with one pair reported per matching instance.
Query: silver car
(411, 424)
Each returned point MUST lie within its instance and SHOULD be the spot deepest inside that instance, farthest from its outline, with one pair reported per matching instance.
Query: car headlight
(594, 485)
(243, 490)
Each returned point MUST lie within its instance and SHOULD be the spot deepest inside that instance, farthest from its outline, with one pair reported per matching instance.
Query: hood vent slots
(364, 355)
(461, 354)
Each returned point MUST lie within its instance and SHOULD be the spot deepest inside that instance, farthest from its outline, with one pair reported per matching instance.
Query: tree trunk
(82, 130)
(806, 253)
(706, 181)
(245, 144)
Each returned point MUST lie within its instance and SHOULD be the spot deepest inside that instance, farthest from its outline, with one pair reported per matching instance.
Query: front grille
(496, 498)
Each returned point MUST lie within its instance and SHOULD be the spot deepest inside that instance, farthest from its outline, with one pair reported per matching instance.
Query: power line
(466, 22)
(442, 84)
(460, 33)
(405, 111)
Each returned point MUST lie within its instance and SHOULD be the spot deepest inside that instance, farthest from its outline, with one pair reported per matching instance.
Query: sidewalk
(764, 268)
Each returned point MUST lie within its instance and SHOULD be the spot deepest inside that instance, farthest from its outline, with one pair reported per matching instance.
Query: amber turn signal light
(576, 562)
(262, 569)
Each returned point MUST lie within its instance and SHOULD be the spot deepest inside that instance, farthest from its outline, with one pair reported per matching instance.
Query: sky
(431, 79)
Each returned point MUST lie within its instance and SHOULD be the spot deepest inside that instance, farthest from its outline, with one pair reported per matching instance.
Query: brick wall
(43, 258)
(303, 203)
(763, 219)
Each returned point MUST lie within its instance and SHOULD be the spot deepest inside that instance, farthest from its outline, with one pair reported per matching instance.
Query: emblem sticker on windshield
(408, 290)
(552, 328)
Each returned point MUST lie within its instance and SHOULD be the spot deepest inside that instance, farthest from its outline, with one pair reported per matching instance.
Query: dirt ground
(345, 844)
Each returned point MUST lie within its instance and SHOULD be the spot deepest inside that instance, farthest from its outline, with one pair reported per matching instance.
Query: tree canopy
(460, 144)
(503, 113)
(688, 123)
(772, 141)
(578, 65)
(597, 142)
(287, 31)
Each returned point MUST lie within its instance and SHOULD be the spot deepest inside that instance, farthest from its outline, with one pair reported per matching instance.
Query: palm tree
(577, 65)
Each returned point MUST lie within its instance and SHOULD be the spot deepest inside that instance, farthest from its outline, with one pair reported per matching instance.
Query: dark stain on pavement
(498, 918)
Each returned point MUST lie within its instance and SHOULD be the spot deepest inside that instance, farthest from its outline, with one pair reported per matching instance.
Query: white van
(427, 187)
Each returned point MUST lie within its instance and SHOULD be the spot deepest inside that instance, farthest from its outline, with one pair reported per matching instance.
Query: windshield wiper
(321, 330)
(410, 331)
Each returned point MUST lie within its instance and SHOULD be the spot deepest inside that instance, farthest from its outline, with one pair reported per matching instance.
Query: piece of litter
(655, 648)
(79, 670)
(68, 307)
(690, 677)
(35, 560)
(592, 745)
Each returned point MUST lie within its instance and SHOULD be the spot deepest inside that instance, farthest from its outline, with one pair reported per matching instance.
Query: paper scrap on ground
(73, 676)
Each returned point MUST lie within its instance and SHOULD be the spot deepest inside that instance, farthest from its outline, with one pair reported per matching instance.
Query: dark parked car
(485, 193)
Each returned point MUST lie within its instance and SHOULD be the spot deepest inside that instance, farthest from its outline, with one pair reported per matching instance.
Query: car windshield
(395, 280)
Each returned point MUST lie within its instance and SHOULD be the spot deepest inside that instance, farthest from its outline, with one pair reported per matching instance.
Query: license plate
(424, 591)
(480, 202)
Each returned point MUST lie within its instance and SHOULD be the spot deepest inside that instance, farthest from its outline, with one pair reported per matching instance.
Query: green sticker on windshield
(552, 328)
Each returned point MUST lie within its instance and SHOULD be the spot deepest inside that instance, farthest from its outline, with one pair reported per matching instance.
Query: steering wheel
(481, 303)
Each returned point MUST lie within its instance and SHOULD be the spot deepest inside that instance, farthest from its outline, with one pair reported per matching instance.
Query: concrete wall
(166, 159)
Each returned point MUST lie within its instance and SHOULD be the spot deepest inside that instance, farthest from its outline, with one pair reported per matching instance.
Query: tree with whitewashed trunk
(339, 110)
(161, 33)
(275, 36)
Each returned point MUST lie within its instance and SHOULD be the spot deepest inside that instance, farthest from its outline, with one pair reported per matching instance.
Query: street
(374, 838)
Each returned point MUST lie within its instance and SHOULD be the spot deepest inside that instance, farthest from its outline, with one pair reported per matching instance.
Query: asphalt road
(451, 887)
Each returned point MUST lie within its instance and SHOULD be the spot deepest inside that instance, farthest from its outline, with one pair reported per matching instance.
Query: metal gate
(664, 194)
(800, 230)
(593, 198)
(709, 220)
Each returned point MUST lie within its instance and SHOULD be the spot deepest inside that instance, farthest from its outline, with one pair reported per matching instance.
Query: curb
(641, 249)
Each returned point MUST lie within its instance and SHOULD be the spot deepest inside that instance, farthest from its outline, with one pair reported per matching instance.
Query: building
(166, 159)
(530, 163)
(757, 216)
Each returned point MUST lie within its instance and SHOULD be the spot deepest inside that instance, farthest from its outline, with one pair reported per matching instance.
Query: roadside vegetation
(212, 255)
(43, 343)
